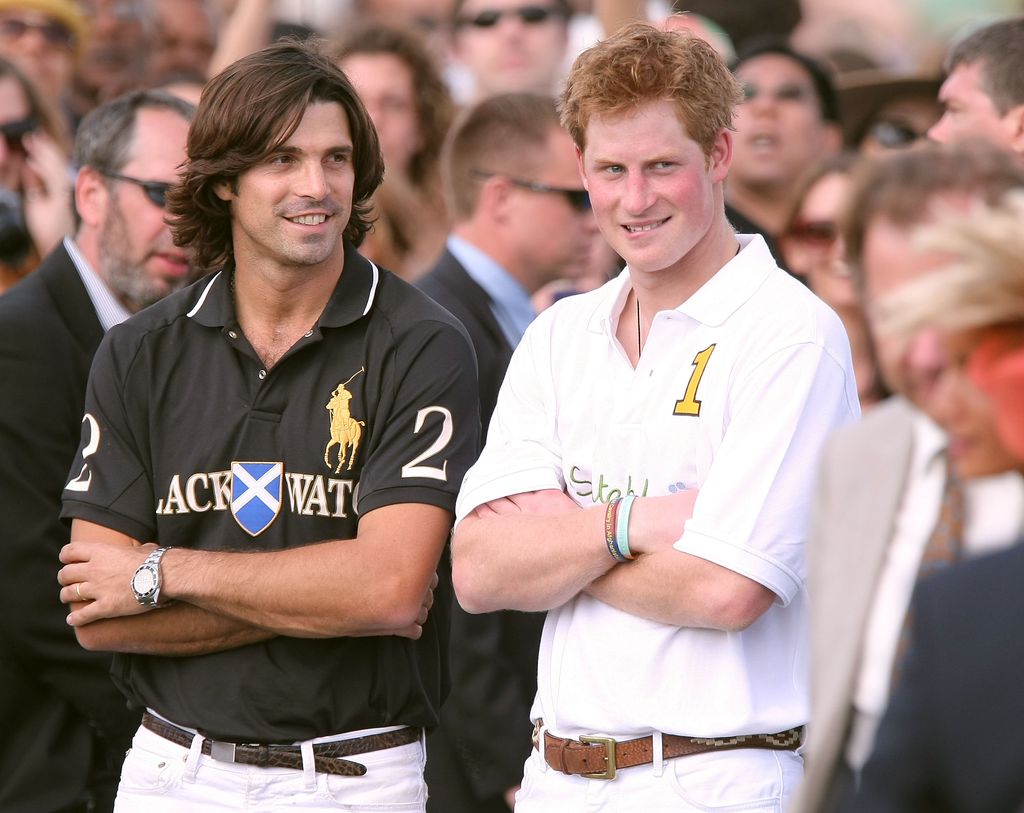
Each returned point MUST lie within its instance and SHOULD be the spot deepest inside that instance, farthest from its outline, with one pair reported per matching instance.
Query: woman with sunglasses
(949, 740)
(813, 250)
(35, 183)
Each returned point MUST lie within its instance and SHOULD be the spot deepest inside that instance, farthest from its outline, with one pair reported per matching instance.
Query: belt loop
(541, 745)
(658, 753)
(195, 753)
(308, 764)
(423, 749)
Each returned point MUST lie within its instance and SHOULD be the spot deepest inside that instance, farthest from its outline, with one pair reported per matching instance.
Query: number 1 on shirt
(689, 405)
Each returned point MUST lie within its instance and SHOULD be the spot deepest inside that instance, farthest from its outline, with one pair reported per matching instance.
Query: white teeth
(638, 229)
(309, 220)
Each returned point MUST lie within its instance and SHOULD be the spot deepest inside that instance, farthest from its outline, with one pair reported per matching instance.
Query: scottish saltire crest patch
(256, 495)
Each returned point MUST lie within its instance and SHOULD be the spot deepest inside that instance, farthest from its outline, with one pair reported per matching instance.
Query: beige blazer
(861, 483)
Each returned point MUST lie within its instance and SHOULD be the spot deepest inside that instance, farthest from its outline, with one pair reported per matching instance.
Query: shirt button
(232, 334)
(309, 333)
(263, 374)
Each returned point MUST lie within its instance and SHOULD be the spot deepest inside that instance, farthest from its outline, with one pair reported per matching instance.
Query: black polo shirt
(188, 441)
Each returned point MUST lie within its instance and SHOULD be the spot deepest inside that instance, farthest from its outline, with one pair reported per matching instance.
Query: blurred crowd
(879, 150)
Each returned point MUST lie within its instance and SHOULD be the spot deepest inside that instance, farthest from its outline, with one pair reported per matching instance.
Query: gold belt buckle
(609, 745)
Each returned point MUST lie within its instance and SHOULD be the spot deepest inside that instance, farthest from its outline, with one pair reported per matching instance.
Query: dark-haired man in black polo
(291, 431)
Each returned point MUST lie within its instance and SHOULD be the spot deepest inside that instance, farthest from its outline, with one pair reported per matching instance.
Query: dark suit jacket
(951, 737)
(450, 286)
(61, 715)
(479, 749)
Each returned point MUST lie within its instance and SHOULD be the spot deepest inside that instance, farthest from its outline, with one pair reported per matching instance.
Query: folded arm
(181, 629)
(683, 590)
(379, 583)
(530, 551)
(535, 551)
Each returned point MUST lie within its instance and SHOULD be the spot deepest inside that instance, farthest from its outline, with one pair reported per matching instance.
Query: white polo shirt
(735, 393)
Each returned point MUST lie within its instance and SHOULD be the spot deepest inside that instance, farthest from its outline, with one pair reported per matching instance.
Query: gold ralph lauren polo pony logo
(346, 431)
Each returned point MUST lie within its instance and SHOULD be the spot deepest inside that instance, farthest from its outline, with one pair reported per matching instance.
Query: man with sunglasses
(521, 220)
(44, 38)
(505, 46)
(68, 726)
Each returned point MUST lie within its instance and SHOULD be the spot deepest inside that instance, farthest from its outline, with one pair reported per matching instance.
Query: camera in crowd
(15, 241)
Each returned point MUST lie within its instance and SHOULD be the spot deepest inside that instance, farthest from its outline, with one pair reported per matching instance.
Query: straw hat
(66, 12)
(862, 94)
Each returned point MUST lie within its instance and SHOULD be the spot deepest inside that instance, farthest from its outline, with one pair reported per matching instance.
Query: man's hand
(97, 579)
(47, 190)
(414, 631)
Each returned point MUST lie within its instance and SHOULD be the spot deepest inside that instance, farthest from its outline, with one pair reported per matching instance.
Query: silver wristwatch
(146, 581)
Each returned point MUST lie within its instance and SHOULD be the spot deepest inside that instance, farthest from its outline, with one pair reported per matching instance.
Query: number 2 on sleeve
(413, 467)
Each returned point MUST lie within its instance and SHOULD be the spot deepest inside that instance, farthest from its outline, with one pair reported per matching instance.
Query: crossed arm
(379, 583)
(536, 551)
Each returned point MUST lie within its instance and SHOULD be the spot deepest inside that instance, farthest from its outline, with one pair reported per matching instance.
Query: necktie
(942, 549)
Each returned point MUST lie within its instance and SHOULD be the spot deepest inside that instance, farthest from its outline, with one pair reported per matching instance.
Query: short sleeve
(428, 423)
(522, 452)
(752, 512)
(108, 483)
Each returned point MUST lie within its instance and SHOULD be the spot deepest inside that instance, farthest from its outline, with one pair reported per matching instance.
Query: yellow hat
(66, 12)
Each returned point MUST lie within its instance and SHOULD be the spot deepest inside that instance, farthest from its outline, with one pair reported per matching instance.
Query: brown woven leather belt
(601, 757)
(327, 756)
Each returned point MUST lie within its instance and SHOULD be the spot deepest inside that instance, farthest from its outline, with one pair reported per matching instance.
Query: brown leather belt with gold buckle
(602, 757)
(327, 756)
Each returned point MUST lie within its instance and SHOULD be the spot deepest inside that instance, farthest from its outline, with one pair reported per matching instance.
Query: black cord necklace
(639, 349)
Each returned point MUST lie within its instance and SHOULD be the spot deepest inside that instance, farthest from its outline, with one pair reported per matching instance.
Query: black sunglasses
(531, 15)
(579, 199)
(53, 33)
(13, 132)
(156, 191)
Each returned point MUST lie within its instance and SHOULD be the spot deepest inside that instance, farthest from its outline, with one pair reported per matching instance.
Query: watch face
(144, 581)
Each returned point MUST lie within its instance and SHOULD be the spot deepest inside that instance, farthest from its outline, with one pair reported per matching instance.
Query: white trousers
(161, 777)
(748, 780)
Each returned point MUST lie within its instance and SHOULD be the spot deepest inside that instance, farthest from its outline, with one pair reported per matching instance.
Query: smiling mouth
(308, 220)
(644, 227)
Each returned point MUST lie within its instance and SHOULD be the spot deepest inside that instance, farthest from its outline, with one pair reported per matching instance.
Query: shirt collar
(352, 298)
(735, 282)
(929, 443)
(714, 302)
(507, 295)
(109, 309)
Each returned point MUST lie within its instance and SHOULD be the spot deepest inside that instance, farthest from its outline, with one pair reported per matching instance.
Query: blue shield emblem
(256, 495)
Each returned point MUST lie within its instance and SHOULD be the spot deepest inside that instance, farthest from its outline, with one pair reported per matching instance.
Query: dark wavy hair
(245, 113)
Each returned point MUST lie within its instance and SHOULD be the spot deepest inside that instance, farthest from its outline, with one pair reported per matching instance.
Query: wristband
(611, 515)
(622, 527)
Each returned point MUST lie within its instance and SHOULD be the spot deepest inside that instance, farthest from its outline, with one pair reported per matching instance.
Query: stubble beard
(129, 279)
